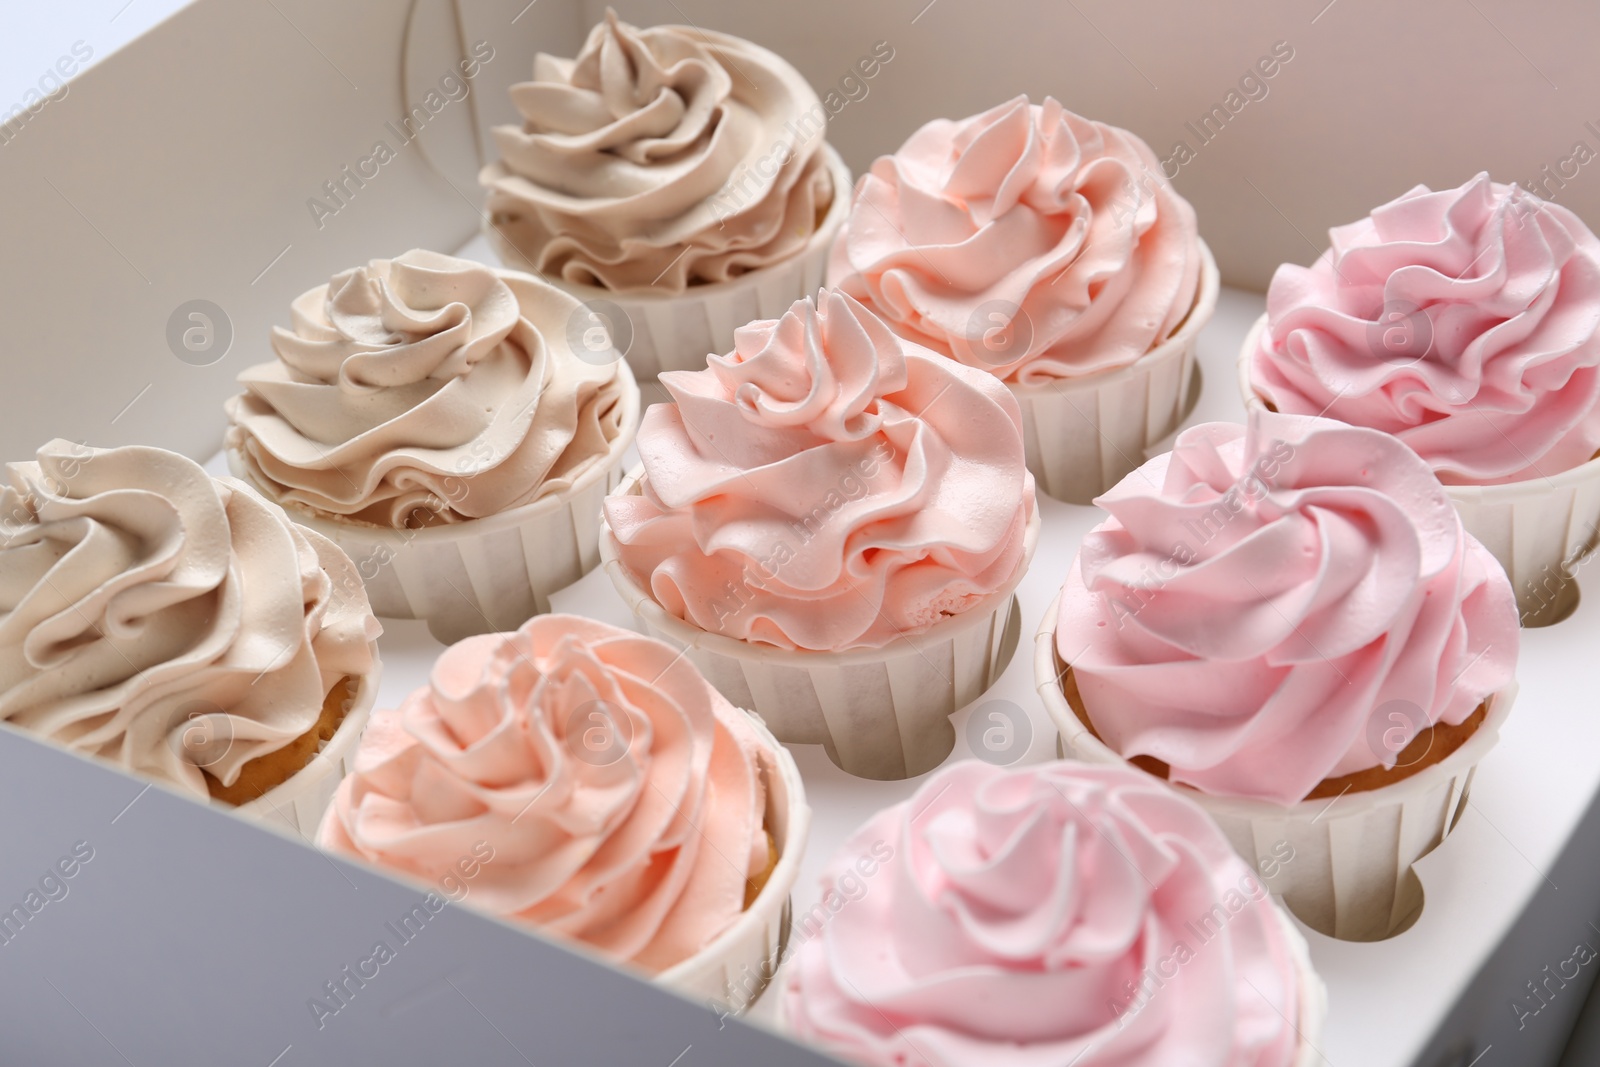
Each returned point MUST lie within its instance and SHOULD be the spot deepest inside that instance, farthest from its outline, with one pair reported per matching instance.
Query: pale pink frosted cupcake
(1466, 322)
(833, 520)
(1290, 623)
(1050, 251)
(1053, 914)
(597, 789)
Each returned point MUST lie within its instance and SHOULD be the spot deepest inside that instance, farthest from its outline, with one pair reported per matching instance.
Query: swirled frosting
(826, 485)
(1261, 605)
(165, 620)
(1053, 914)
(1026, 241)
(620, 796)
(426, 390)
(659, 159)
(1466, 322)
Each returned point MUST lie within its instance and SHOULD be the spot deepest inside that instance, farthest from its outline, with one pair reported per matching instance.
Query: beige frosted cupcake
(1050, 251)
(675, 180)
(429, 415)
(832, 520)
(587, 782)
(182, 628)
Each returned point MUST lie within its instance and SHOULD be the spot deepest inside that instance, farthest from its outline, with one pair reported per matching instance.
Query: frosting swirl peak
(426, 390)
(1262, 603)
(1465, 321)
(659, 159)
(826, 485)
(1052, 914)
(173, 623)
(620, 797)
(1026, 241)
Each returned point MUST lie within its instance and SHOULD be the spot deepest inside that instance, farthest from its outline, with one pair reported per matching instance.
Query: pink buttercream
(826, 486)
(1264, 608)
(1030, 207)
(619, 795)
(1044, 916)
(1463, 321)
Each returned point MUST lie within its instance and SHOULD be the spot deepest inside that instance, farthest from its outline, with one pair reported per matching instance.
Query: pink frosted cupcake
(832, 519)
(676, 180)
(1053, 914)
(1289, 623)
(1466, 322)
(1049, 251)
(586, 781)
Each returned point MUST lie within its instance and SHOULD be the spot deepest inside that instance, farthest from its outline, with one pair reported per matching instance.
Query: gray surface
(192, 937)
(1564, 913)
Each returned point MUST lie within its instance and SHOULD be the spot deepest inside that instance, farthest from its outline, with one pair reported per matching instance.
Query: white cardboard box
(181, 168)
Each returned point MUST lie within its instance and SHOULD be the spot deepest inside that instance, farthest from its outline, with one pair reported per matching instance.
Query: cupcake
(1053, 914)
(675, 180)
(1049, 251)
(182, 628)
(587, 782)
(1290, 624)
(832, 520)
(1467, 323)
(431, 417)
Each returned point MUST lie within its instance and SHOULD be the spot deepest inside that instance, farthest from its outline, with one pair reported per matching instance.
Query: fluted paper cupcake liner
(878, 712)
(1084, 435)
(1540, 529)
(1313, 1002)
(677, 331)
(735, 969)
(298, 803)
(486, 575)
(1350, 876)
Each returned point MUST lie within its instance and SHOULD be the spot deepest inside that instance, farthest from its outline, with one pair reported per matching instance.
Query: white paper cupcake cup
(1313, 1002)
(1540, 529)
(732, 972)
(297, 804)
(879, 713)
(676, 331)
(486, 575)
(1084, 435)
(1350, 876)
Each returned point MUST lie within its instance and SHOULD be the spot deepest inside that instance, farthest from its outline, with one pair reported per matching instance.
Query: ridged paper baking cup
(1084, 435)
(677, 331)
(879, 713)
(298, 803)
(1540, 529)
(486, 575)
(1313, 1004)
(733, 971)
(1350, 874)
